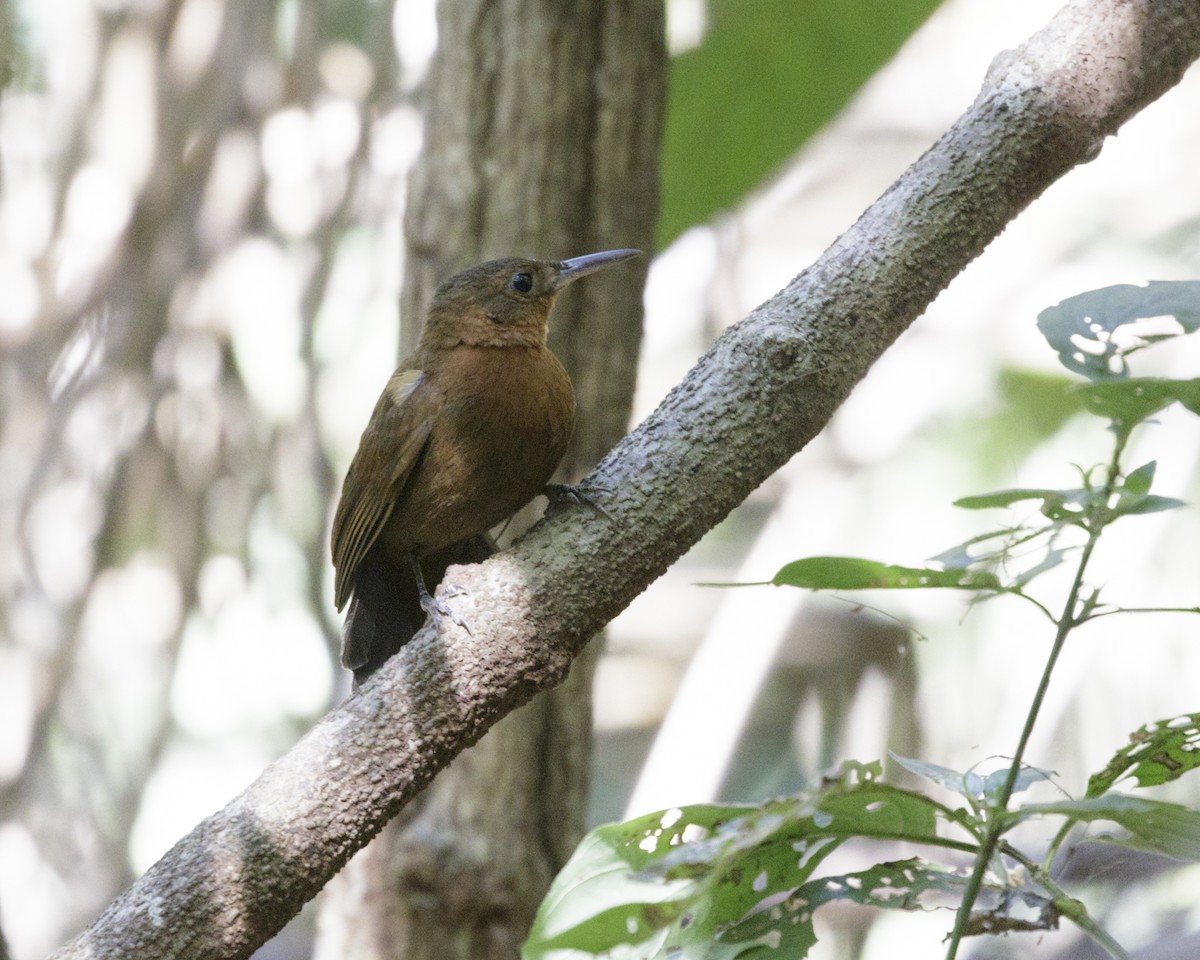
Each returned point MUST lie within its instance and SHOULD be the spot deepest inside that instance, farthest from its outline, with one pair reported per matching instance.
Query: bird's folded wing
(389, 451)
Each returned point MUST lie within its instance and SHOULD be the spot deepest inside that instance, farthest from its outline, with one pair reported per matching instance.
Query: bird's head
(506, 302)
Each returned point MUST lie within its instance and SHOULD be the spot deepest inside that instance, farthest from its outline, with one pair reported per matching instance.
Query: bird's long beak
(577, 267)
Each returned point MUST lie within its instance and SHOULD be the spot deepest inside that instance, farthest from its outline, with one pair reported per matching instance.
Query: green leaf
(1075, 506)
(597, 901)
(785, 930)
(678, 879)
(1070, 506)
(1081, 328)
(1006, 498)
(1150, 504)
(966, 783)
(1130, 401)
(1133, 493)
(1052, 558)
(970, 551)
(1140, 480)
(970, 784)
(1027, 776)
(1153, 825)
(855, 573)
(1157, 753)
(878, 810)
(1011, 549)
(787, 927)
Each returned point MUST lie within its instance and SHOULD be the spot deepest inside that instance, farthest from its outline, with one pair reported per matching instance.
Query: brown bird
(467, 431)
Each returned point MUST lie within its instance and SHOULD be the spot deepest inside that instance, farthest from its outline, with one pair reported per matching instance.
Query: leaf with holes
(786, 928)
(1006, 498)
(1069, 506)
(596, 901)
(674, 881)
(1157, 753)
(1083, 329)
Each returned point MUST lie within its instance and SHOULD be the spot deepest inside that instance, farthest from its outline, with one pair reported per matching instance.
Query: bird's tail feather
(385, 612)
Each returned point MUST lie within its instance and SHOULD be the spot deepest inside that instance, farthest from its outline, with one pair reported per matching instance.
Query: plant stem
(1099, 936)
(1065, 624)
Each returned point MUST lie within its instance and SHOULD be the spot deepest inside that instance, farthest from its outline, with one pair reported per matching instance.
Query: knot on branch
(783, 346)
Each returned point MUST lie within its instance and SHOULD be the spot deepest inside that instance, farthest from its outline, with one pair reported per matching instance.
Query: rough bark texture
(763, 391)
(541, 139)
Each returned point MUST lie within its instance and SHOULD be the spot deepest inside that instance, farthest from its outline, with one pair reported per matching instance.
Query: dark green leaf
(1153, 825)
(1157, 753)
(1081, 328)
(855, 573)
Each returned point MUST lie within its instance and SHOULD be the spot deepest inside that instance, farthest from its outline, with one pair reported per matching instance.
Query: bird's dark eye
(521, 282)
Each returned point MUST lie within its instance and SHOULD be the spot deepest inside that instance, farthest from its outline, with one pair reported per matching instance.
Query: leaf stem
(1018, 592)
(1052, 851)
(1106, 942)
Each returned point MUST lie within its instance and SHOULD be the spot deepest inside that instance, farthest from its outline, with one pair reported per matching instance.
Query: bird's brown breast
(500, 434)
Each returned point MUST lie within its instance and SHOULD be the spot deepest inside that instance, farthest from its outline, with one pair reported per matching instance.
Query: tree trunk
(542, 135)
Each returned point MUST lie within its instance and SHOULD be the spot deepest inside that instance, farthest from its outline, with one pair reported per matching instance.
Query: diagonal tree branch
(760, 394)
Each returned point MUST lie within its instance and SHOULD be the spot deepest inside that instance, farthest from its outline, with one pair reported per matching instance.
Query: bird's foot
(435, 609)
(564, 494)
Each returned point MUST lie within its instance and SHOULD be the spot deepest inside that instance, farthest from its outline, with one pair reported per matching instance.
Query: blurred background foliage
(767, 75)
(200, 253)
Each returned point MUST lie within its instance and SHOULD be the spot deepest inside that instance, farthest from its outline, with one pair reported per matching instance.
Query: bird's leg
(433, 607)
(564, 494)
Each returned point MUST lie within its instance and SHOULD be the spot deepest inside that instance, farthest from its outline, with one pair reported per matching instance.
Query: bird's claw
(564, 494)
(435, 609)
